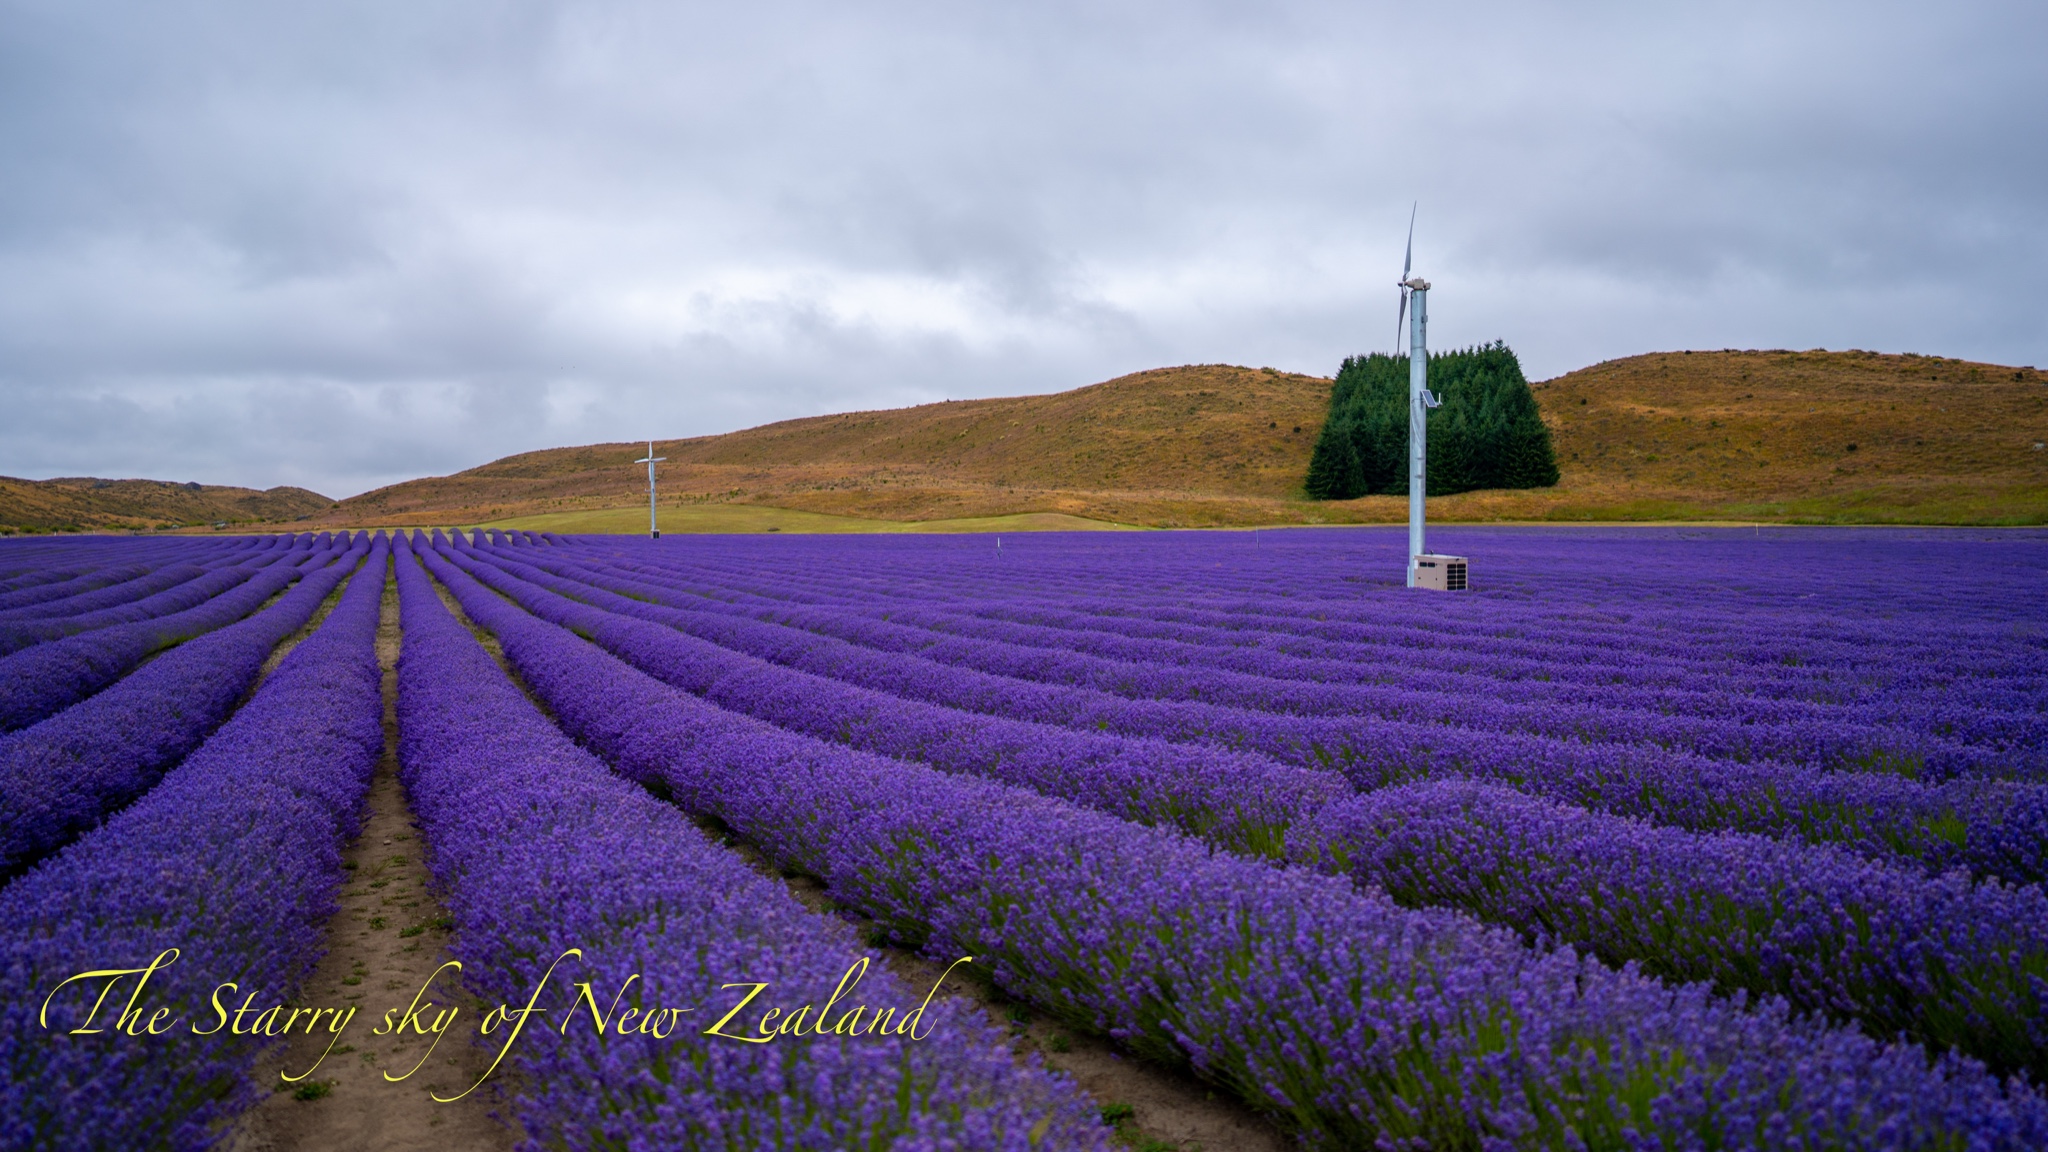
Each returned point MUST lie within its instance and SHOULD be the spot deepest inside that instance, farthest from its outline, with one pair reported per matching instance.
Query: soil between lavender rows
(370, 963)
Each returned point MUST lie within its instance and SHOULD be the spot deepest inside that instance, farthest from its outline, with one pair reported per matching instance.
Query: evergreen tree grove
(1488, 433)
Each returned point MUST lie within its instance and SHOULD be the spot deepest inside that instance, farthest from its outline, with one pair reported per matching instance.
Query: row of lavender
(1541, 581)
(914, 906)
(1857, 688)
(1949, 962)
(58, 669)
(1285, 713)
(225, 870)
(30, 576)
(1316, 999)
(233, 861)
(64, 774)
(516, 817)
(1891, 669)
(1992, 827)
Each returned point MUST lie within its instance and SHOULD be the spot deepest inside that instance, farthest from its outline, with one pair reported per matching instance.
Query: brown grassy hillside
(1205, 444)
(87, 503)
(1703, 435)
(1829, 436)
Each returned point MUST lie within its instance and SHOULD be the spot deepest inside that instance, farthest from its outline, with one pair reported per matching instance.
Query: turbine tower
(653, 531)
(1445, 573)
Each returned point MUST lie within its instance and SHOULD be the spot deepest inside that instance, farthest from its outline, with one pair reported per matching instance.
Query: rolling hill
(1839, 437)
(1206, 444)
(1848, 437)
(86, 503)
(1816, 437)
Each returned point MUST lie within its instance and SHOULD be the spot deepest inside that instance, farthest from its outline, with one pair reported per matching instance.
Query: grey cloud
(340, 246)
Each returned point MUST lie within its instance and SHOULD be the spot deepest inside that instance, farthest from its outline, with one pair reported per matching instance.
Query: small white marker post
(653, 530)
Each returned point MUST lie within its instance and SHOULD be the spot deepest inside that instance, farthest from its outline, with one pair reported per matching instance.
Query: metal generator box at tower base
(1443, 573)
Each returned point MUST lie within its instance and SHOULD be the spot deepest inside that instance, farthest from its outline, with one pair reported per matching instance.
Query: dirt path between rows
(388, 938)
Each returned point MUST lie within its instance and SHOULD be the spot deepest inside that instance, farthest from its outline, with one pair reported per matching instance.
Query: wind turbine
(653, 532)
(1445, 573)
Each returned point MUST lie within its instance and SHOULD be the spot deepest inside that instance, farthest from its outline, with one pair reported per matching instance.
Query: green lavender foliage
(1488, 433)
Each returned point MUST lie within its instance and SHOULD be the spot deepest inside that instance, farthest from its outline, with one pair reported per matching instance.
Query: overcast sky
(340, 245)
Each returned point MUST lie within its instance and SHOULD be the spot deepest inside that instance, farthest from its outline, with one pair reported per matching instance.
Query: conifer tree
(1488, 434)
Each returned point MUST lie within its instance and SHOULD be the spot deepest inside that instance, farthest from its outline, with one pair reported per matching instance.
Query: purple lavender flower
(234, 859)
(41, 680)
(542, 850)
(65, 774)
(1355, 1021)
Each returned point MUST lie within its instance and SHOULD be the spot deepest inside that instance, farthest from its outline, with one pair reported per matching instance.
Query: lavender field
(1654, 839)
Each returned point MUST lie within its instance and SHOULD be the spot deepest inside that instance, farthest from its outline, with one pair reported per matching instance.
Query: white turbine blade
(1400, 318)
(1408, 259)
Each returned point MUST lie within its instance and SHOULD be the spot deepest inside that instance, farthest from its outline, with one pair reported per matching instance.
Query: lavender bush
(67, 773)
(1242, 802)
(147, 583)
(542, 850)
(1947, 962)
(1969, 986)
(190, 592)
(38, 682)
(1356, 1021)
(1166, 666)
(1995, 828)
(234, 859)
(58, 575)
